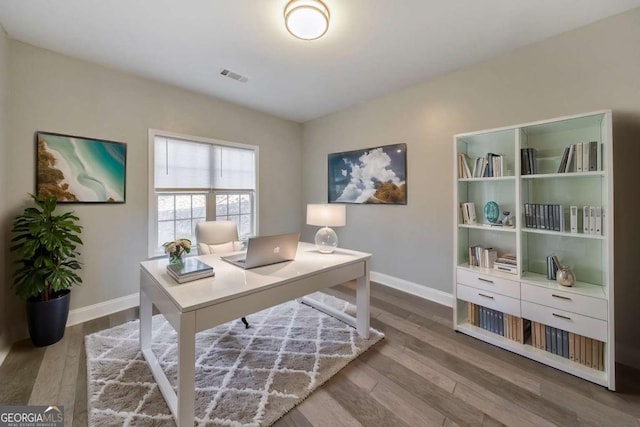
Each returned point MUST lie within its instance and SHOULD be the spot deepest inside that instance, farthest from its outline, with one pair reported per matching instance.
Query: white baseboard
(421, 291)
(105, 308)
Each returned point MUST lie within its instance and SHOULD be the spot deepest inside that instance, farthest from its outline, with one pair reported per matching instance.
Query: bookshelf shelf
(563, 234)
(488, 228)
(564, 175)
(585, 309)
(491, 178)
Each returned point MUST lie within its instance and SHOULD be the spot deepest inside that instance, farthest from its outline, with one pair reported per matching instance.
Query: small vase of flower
(176, 249)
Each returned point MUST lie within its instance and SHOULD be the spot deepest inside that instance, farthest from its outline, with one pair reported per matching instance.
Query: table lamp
(326, 216)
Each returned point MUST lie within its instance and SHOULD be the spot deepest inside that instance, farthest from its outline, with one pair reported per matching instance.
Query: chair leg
(246, 324)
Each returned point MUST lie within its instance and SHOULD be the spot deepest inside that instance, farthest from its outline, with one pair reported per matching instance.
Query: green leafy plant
(46, 245)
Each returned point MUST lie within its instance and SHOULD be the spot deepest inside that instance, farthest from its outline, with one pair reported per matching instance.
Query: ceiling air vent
(234, 76)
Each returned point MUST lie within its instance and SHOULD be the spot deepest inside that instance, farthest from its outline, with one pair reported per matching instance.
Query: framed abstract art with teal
(76, 169)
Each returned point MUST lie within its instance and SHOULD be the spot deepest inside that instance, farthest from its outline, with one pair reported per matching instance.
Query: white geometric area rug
(244, 377)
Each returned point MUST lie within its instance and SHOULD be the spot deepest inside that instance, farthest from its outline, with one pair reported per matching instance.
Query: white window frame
(152, 244)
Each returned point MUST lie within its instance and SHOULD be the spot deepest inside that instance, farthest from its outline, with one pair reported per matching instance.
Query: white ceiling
(372, 47)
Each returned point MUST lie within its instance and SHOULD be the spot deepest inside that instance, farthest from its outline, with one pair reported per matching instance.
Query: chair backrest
(216, 236)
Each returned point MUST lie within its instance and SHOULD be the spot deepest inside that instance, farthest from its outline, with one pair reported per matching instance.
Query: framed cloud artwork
(370, 176)
(75, 169)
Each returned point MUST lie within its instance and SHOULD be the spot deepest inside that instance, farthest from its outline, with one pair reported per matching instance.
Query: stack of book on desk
(190, 269)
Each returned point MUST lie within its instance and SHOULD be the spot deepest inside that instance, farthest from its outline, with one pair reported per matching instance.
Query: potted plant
(46, 245)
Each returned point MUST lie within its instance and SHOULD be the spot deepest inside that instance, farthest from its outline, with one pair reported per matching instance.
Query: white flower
(171, 248)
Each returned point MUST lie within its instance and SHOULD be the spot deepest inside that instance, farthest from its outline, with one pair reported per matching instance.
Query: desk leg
(362, 303)
(145, 321)
(186, 370)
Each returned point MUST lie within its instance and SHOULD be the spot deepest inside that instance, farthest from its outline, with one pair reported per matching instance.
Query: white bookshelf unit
(583, 314)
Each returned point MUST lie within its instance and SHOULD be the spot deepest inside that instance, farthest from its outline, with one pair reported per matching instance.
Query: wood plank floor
(422, 374)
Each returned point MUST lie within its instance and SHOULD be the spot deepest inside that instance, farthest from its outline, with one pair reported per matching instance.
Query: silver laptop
(266, 250)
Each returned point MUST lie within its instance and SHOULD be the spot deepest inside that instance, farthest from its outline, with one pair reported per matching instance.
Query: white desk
(233, 292)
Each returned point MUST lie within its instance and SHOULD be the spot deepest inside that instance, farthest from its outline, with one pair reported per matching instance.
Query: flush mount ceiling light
(306, 19)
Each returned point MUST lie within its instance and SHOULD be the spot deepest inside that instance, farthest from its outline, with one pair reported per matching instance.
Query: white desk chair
(216, 237)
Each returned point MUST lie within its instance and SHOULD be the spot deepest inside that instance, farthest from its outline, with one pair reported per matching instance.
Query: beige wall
(4, 339)
(52, 92)
(594, 67)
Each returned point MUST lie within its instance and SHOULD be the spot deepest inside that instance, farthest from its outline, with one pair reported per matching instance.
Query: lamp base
(326, 240)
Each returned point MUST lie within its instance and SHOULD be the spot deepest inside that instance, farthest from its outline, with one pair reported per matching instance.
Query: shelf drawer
(489, 299)
(489, 283)
(565, 320)
(568, 301)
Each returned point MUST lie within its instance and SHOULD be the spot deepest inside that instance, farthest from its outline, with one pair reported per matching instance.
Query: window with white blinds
(188, 165)
(196, 179)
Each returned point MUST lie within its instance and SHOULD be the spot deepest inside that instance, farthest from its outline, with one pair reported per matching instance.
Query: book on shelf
(563, 160)
(592, 218)
(585, 157)
(544, 216)
(573, 218)
(468, 210)
(586, 219)
(488, 319)
(593, 156)
(491, 165)
(463, 166)
(579, 156)
(572, 346)
(507, 263)
(553, 265)
(480, 256)
(478, 165)
(528, 161)
(598, 220)
(571, 160)
(495, 164)
(190, 269)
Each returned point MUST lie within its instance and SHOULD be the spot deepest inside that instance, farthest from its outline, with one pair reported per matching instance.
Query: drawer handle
(561, 316)
(561, 297)
(485, 280)
(486, 296)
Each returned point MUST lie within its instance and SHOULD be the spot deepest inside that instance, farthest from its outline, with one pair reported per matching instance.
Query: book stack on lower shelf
(507, 263)
(506, 325)
(190, 269)
(577, 348)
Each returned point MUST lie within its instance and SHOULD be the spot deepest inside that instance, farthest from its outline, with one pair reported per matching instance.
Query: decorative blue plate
(491, 212)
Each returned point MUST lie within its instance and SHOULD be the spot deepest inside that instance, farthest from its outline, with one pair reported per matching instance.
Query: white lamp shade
(306, 19)
(326, 215)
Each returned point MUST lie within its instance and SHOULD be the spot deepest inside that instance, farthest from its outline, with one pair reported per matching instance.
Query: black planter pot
(47, 319)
